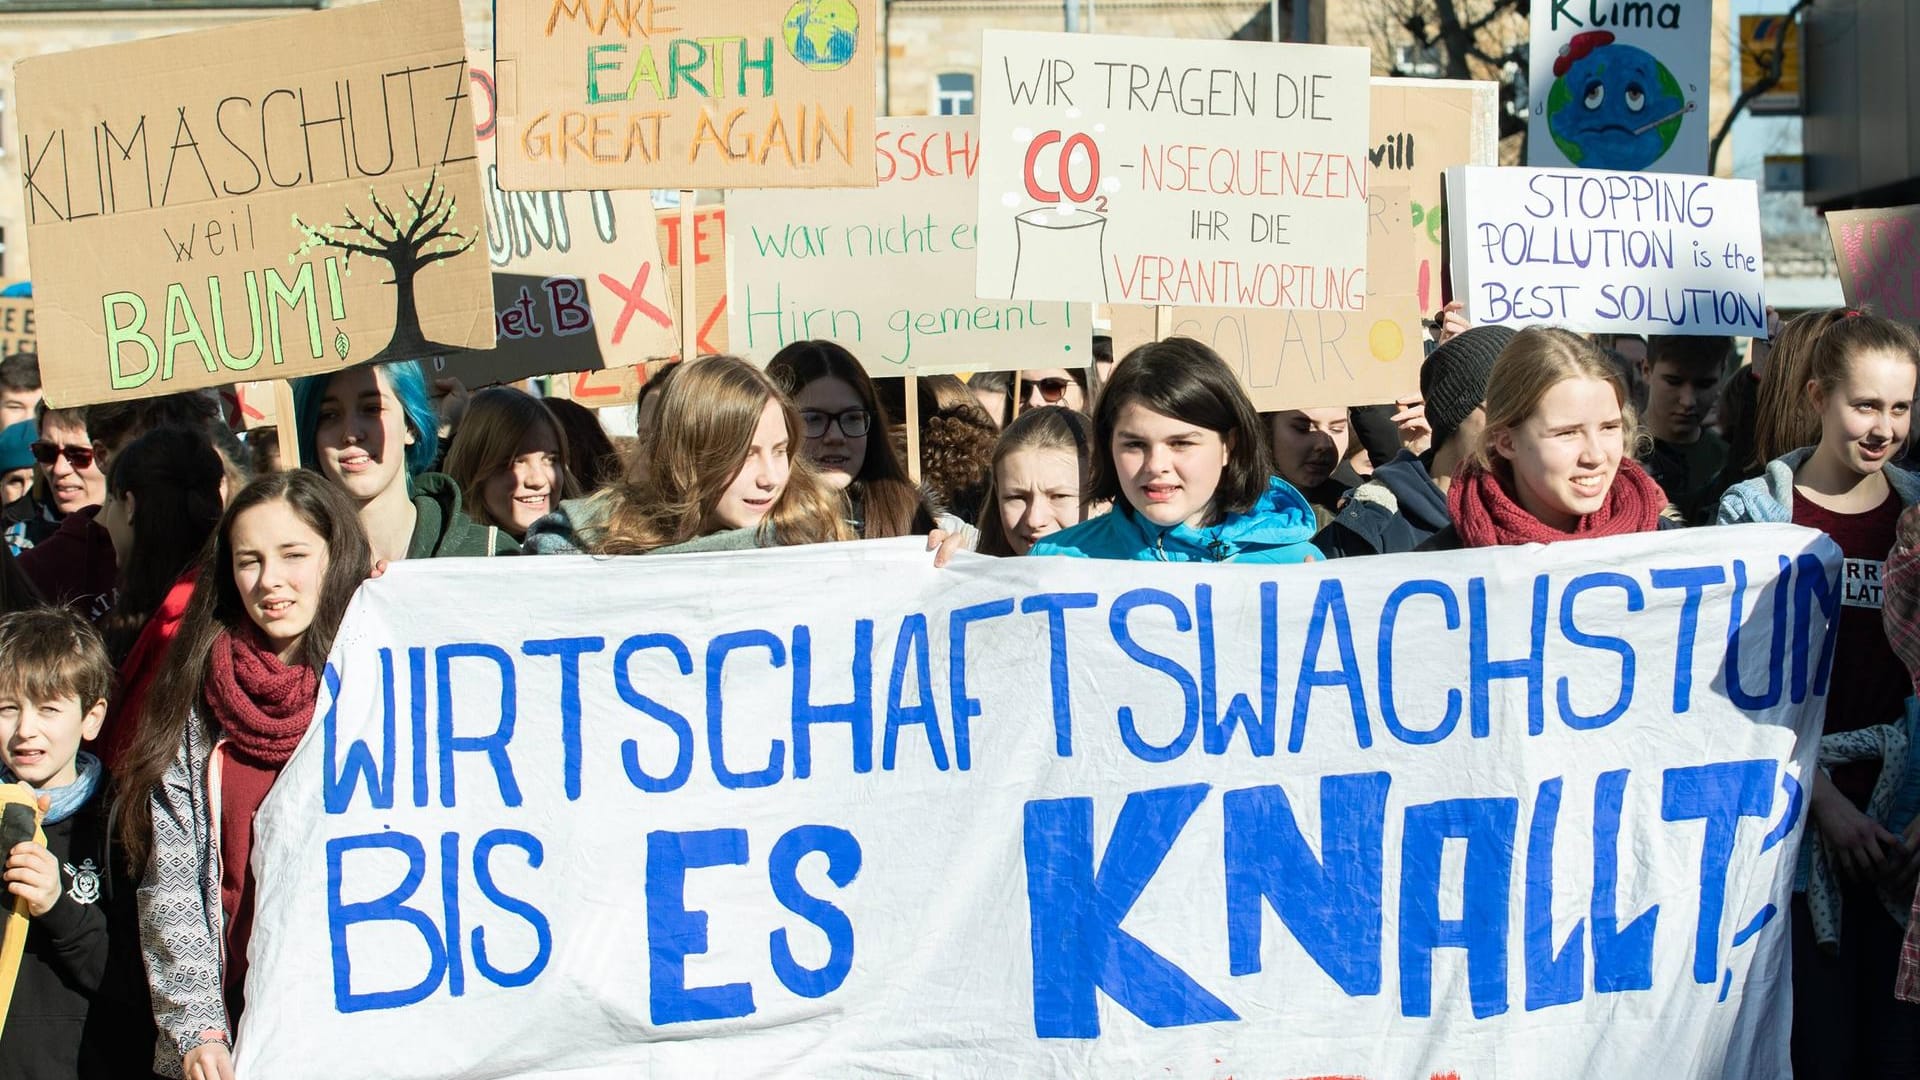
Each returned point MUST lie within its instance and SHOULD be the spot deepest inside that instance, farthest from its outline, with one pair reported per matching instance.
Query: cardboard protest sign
(1152, 171)
(1420, 129)
(270, 199)
(709, 248)
(16, 326)
(1620, 86)
(1601, 252)
(1317, 359)
(1878, 252)
(1479, 812)
(543, 325)
(649, 94)
(603, 239)
(621, 385)
(256, 404)
(889, 272)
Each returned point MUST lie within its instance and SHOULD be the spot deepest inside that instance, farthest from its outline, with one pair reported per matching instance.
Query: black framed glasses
(46, 453)
(1051, 390)
(853, 423)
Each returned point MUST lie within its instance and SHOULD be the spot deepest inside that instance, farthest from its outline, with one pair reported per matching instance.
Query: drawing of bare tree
(426, 237)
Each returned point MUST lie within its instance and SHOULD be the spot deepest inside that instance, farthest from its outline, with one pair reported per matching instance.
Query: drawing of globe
(1617, 107)
(822, 34)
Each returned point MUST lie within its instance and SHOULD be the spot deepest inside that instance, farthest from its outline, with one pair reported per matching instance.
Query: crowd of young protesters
(170, 594)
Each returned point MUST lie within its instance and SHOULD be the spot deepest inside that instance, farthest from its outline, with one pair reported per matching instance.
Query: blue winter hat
(16, 445)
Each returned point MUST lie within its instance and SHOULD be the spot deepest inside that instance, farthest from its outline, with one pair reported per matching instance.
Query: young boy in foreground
(79, 1004)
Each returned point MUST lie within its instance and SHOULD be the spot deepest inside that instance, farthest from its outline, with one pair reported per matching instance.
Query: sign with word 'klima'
(1481, 813)
(1620, 84)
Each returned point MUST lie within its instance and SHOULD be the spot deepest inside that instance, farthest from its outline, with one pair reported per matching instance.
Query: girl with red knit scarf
(1555, 462)
(235, 697)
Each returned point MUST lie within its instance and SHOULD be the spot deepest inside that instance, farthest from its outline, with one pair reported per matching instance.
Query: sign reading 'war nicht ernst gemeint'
(260, 201)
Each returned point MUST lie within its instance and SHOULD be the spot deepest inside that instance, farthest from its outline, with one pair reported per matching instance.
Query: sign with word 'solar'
(1150, 171)
(889, 272)
(688, 94)
(1316, 359)
(265, 200)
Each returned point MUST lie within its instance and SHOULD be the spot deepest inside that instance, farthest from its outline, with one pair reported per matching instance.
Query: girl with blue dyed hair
(373, 432)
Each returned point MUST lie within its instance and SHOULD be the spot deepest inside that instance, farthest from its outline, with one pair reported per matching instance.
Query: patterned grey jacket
(182, 926)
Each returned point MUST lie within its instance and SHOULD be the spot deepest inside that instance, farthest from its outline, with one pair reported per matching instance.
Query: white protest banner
(1620, 85)
(1158, 171)
(1605, 252)
(829, 811)
(888, 272)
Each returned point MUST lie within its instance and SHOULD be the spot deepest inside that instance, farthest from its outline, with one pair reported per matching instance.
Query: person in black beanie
(1405, 502)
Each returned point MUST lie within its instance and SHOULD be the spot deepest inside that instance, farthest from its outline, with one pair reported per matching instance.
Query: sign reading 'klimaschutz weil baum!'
(1147, 171)
(260, 201)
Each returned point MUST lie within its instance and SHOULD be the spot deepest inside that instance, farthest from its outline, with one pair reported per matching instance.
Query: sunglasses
(1051, 390)
(46, 453)
(853, 423)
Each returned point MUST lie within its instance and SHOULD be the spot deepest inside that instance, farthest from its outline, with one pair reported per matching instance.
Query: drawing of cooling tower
(1056, 252)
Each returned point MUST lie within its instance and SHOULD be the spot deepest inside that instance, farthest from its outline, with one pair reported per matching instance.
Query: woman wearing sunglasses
(846, 440)
(73, 563)
(1066, 387)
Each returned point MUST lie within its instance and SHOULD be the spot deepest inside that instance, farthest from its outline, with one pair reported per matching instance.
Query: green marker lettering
(677, 71)
(594, 67)
(118, 335)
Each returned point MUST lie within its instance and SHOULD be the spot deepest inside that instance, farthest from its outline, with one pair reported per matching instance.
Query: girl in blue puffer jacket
(1178, 452)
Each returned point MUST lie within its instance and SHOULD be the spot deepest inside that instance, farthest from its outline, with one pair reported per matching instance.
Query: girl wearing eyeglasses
(846, 432)
(1178, 449)
(373, 432)
(715, 472)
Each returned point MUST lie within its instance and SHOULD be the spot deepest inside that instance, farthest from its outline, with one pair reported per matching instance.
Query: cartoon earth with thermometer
(1613, 106)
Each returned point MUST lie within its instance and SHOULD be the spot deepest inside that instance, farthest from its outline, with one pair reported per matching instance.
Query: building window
(1417, 61)
(953, 94)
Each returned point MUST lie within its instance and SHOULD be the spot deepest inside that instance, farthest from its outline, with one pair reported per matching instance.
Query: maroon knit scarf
(1486, 515)
(263, 706)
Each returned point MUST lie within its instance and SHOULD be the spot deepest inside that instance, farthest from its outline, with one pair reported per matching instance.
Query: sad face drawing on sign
(1613, 106)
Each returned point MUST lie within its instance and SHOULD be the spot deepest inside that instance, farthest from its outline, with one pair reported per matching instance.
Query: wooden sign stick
(913, 427)
(689, 317)
(285, 430)
(1162, 322)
